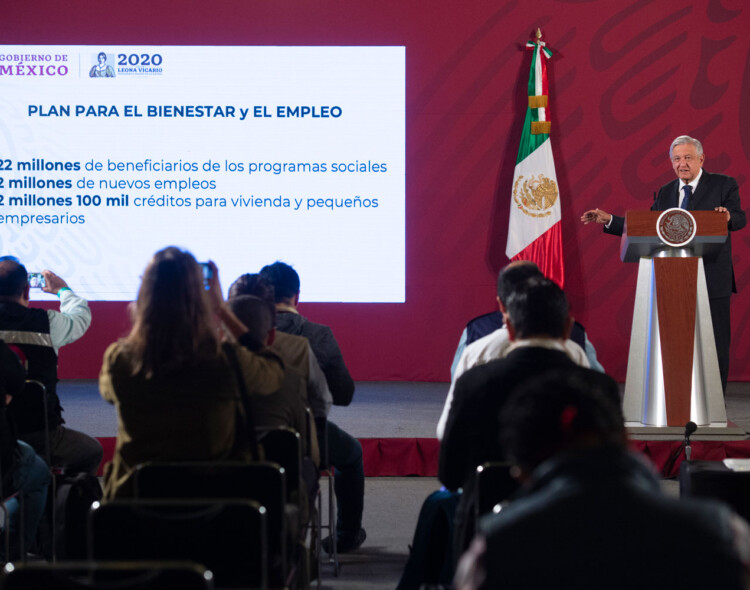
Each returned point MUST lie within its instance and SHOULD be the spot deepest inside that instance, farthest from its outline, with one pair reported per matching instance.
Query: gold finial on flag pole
(542, 126)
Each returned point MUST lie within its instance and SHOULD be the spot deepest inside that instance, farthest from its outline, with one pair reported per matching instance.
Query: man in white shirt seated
(495, 345)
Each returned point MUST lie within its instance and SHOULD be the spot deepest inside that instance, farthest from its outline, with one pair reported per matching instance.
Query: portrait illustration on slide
(101, 69)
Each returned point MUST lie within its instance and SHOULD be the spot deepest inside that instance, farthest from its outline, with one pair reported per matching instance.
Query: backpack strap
(245, 427)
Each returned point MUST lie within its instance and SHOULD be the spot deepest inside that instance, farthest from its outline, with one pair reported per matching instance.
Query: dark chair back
(282, 445)
(227, 537)
(28, 412)
(712, 479)
(494, 484)
(263, 482)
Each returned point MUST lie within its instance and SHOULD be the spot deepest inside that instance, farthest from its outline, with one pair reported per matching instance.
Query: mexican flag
(534, 224)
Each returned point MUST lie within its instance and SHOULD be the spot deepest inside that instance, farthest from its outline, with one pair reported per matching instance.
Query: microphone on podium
(690, 428)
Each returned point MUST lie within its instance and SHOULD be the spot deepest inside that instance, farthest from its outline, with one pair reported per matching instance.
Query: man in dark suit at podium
(698, 190)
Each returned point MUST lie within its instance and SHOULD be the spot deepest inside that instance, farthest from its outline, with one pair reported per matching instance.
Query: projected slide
(243, 155)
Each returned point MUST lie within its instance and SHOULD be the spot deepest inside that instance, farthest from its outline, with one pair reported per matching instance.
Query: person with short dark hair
(37, 335)
(514, 274)
(538, 309)
(286, 285)
(590, 513)
(344, 451)
(495, 343)
(259, 316)
(286, 406)
(253, 284)
(284, 279)
(295, 350)
(483, 326)
(538, 322)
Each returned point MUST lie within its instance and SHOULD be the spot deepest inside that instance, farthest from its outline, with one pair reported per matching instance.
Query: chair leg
(334, 556)
(53, 491)
(316, 536)
(6, 527)
(21, 528)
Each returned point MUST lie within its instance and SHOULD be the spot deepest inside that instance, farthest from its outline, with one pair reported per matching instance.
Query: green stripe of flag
(530, 142)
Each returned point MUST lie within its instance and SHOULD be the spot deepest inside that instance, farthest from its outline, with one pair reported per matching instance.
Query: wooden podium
(673, 372)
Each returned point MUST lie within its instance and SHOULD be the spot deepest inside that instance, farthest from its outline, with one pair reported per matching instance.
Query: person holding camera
(36, 336)
(177, 388)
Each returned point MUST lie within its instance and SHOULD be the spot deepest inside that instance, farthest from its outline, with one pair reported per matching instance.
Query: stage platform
(395, 421)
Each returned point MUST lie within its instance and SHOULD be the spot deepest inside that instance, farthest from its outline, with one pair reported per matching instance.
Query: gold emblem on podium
(535, 196)
(676, 227)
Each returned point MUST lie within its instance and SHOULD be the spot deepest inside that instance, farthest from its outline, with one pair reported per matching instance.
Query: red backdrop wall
(626, 78)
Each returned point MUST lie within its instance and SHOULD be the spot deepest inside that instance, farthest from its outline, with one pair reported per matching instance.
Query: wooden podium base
(673, 372)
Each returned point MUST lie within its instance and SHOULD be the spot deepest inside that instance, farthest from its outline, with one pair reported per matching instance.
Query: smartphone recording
(207, 272)
(36, 280)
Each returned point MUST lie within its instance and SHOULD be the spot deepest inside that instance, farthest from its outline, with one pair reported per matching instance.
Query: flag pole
(534, 223)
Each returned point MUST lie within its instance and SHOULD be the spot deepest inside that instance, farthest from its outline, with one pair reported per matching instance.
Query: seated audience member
(286, 284)
(288, 405)
(485, 324)
(590, 513)
(37, 335)
(496, 341)
(294, 350)
(538, 323)
(344, 451)
(172, 381)
(22, 469)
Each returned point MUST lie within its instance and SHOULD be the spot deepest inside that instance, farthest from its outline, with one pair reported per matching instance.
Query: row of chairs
(265, 483)
(103, 575)
(241, 521)
(229, 537)
(253, 509)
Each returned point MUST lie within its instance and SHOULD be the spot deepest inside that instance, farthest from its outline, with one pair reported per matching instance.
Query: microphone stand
(690, 428)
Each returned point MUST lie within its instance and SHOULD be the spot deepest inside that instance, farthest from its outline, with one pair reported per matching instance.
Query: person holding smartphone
(36, 335)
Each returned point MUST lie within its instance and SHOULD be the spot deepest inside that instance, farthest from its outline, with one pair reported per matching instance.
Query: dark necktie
(686, 199)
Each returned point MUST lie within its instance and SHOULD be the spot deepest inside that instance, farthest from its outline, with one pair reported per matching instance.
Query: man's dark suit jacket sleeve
(453, 448)
(339, 380)
(737, 219)
(616, 226)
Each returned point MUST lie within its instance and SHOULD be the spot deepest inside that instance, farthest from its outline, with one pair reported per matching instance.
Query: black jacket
(327, 352)
(29, 329)
(12, 377)
(597, 519)
(471, 431)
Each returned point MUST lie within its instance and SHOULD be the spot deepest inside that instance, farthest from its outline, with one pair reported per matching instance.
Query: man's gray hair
(685, 139)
